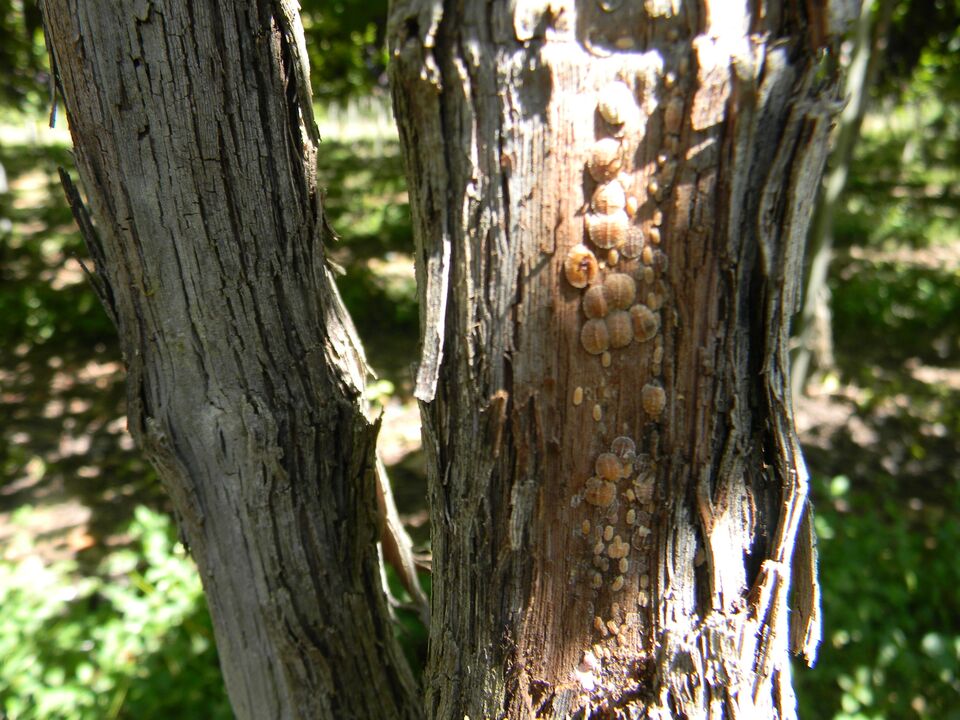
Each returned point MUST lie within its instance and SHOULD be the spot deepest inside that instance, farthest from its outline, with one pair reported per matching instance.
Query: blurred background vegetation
(103, 614)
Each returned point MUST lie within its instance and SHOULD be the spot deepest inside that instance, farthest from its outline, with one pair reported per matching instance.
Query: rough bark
(195, 142)
(564, 585)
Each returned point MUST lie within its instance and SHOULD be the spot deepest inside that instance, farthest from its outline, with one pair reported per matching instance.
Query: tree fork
(195, 141)
(610, 202)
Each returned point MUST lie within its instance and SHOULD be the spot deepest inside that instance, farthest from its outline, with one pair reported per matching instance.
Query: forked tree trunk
(610, 201)
(195, 140)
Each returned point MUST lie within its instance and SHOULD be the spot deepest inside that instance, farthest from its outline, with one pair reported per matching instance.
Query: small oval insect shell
(673, 115)
(616, 103)
(607, 231)
(633, 242)
(594, 336)
(660, 261)
(608, 466)
(618, 548)
(620, 327)
(646, 323)
(620, 289)
(604, 161)
(580, 266)
(623, 446)
(595, 303)
(609, 197)
(654, 399)
(599, 493)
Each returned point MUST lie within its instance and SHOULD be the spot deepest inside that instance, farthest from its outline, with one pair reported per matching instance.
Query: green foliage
(904, 180)
(133, 640)
(345, 41)
(43, 296)
(887, 311)
(891, 612)
(23, 57)
(923, 35)
(366, 202)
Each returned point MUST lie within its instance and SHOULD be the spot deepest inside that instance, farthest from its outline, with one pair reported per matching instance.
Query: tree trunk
(610, 201)
(195, 141)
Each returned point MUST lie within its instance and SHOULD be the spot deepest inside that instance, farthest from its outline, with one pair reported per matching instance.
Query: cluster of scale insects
(619, 266)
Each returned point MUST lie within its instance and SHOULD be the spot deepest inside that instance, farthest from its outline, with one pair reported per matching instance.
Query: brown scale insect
(607, 230)
(620, 290)
(644, 489)
(658, 354)
(646, 323)
(607, 466)
(580, 266)
(600, 626)
(633, 242)
(673, 116)
(594, 336)
(660, 261)
(604, 161)
(599, 493)
(620, 328)
(623, 446)
(609, 198)
(616, 103)
(654, 399)
(618, 548)
(595, 303)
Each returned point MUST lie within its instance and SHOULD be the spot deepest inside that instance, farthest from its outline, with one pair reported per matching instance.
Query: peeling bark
(634, 306)
(195, 141)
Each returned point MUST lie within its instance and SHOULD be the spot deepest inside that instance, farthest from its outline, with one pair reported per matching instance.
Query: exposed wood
(565, 586)
(195, 142)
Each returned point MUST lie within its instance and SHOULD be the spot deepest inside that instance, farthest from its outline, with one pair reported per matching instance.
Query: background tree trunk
(615, 482)
(813, 329)
(195, 141)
